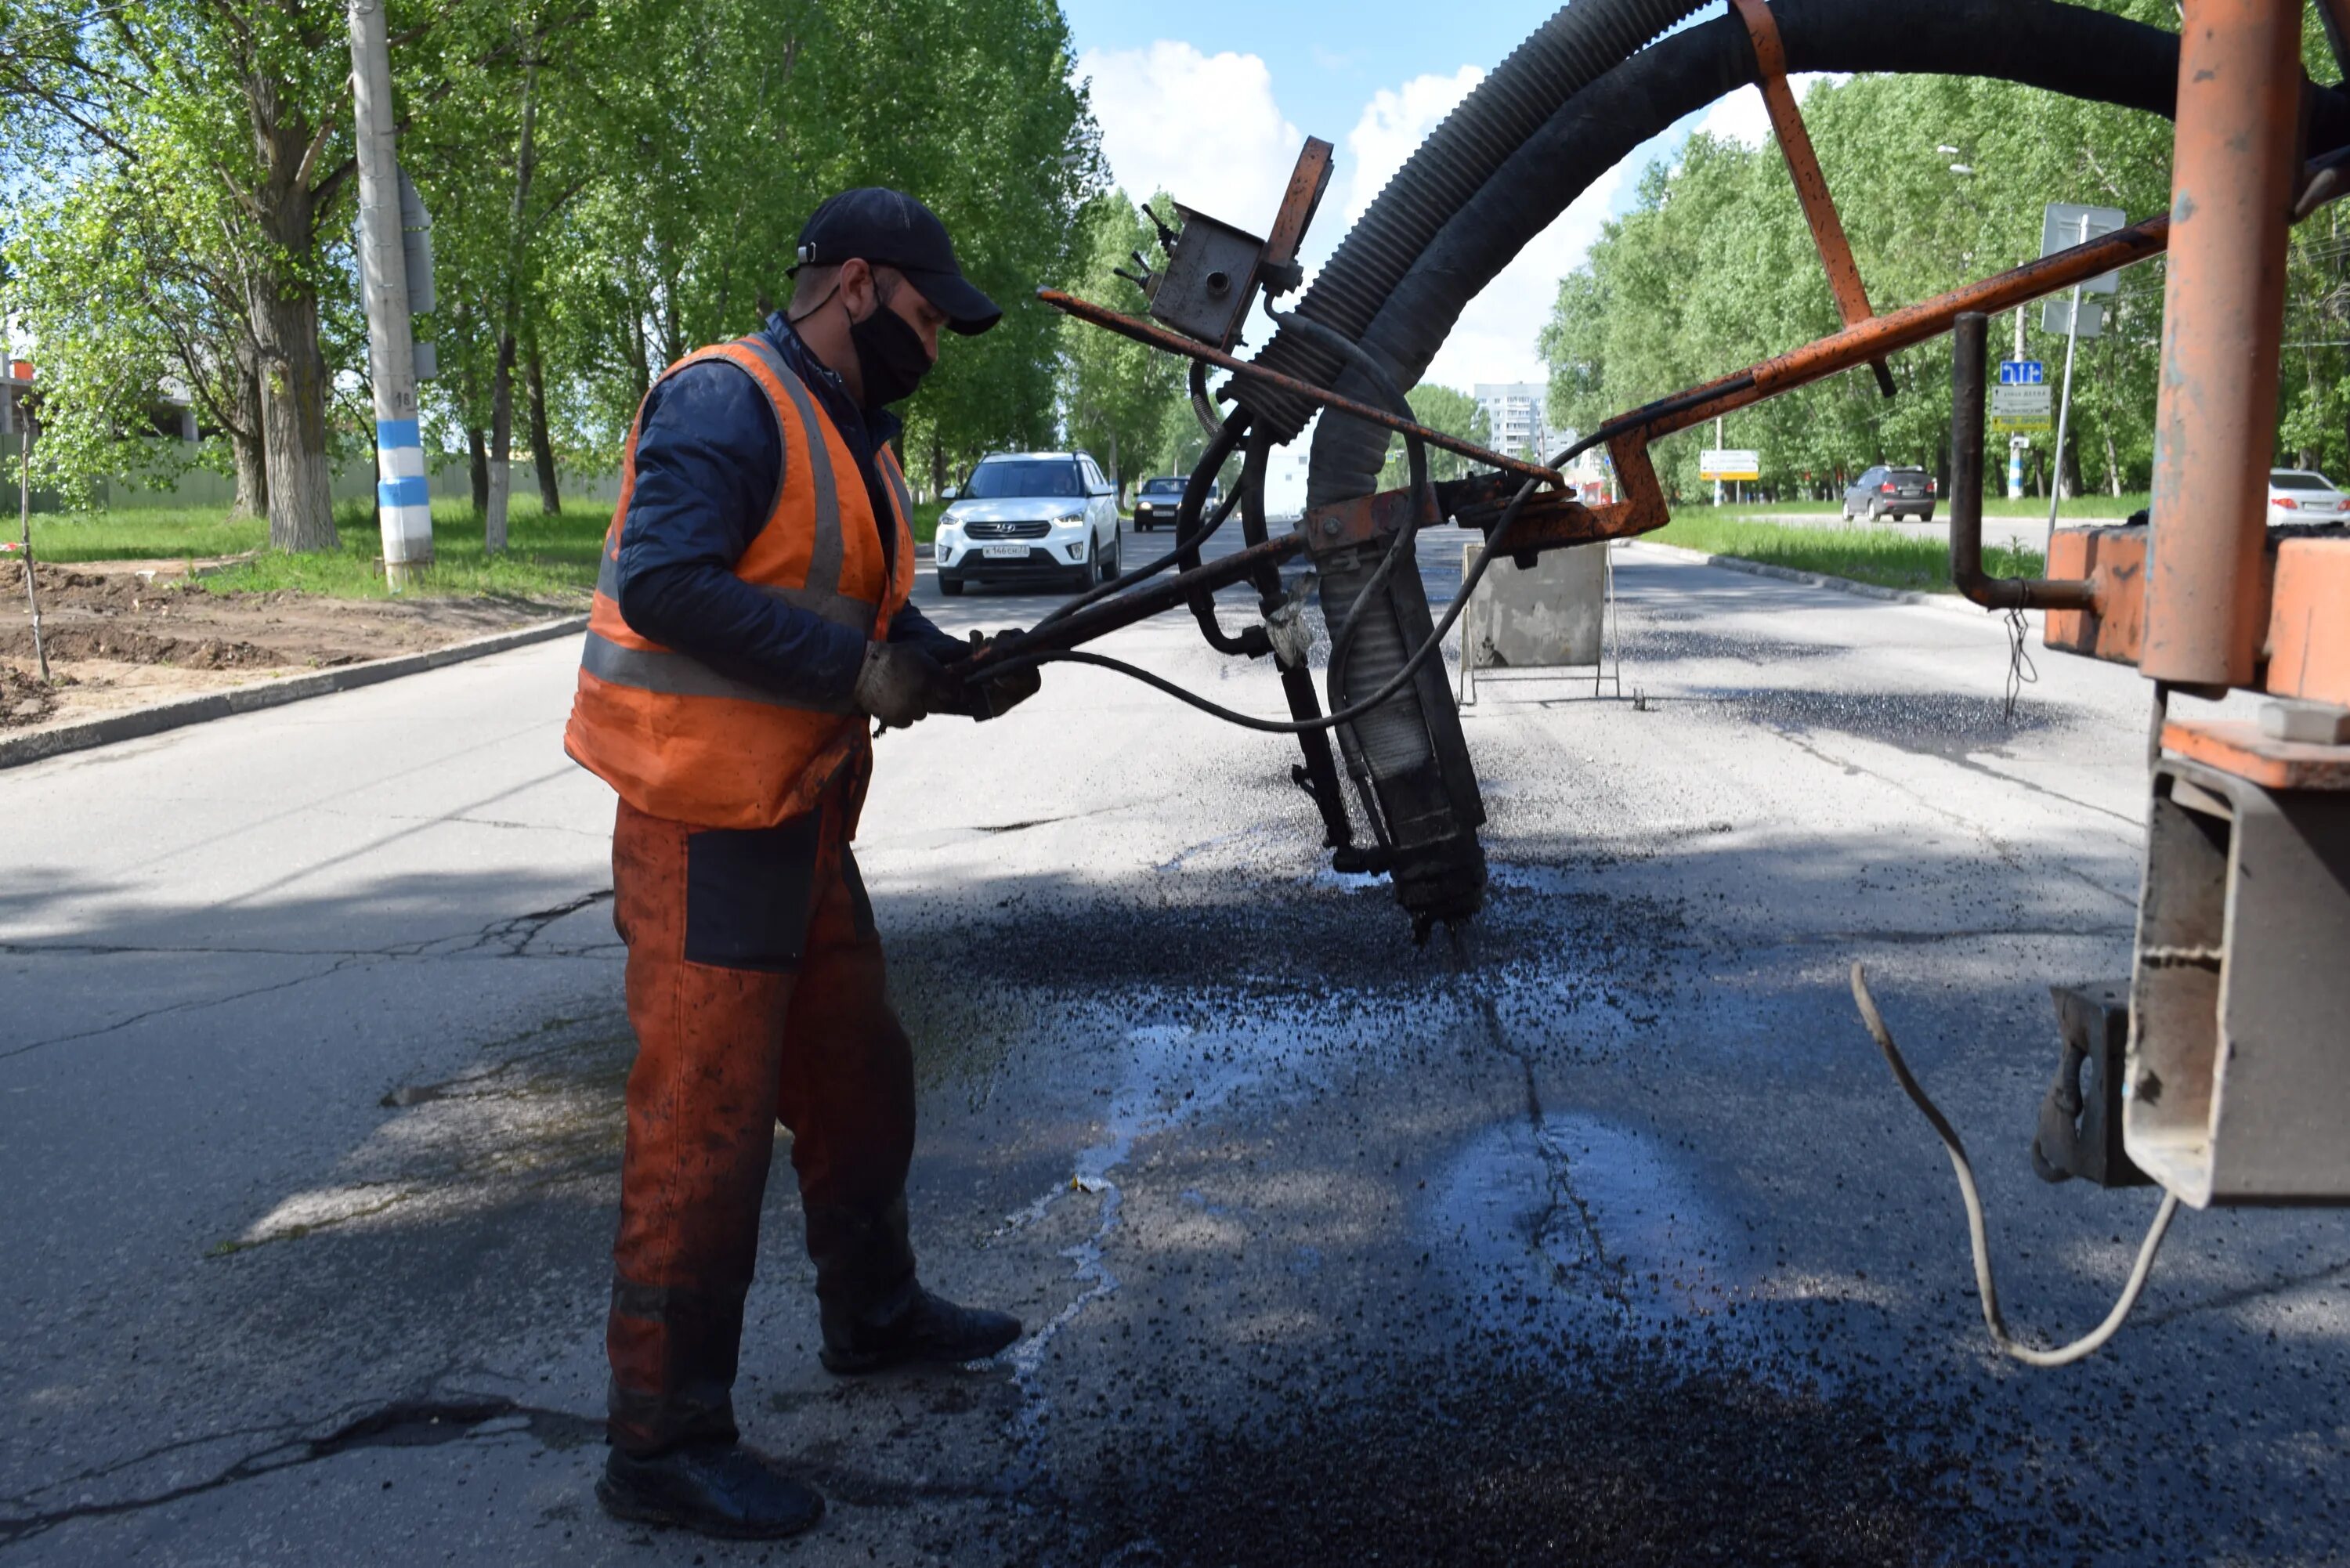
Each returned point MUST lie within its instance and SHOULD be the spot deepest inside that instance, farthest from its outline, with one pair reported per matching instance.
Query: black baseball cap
(888, 228)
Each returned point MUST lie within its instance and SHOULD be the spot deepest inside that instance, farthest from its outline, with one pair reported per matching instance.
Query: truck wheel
(951, 587)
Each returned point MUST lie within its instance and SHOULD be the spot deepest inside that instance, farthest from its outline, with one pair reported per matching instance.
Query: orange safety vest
(681, 741)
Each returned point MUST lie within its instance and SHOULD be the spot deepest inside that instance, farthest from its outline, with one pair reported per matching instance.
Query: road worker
(751, 623)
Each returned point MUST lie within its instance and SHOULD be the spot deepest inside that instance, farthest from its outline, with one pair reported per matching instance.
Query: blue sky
(1211, 100)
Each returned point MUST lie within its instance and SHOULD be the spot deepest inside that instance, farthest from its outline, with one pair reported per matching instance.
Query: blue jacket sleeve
(708, 462)
(910, 624)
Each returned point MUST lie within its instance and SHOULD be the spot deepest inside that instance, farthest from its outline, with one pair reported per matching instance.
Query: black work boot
(712, 1488)
(922, 1328)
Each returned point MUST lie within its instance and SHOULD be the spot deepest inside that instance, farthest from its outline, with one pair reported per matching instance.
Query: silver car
(1030, 519)
(2297, 496)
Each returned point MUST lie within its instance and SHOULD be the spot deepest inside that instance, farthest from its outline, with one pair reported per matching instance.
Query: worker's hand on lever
(899, 683)
(994, 695)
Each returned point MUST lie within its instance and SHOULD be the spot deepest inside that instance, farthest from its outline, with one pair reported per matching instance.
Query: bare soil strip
(124, 635)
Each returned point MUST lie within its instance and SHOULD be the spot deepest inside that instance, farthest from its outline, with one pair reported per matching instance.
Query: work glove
(899, 683)
(994, 695)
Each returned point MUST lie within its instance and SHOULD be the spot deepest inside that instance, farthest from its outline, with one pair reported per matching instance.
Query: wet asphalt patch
(1622, 1459)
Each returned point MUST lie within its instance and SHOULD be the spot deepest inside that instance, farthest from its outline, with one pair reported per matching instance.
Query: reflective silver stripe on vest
(681, 675)
(825, 559)
(897, 478)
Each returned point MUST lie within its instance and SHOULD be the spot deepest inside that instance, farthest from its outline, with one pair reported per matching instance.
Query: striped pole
(403, 506)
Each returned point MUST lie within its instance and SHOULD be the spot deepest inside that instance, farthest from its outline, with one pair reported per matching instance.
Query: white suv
(1032, 518)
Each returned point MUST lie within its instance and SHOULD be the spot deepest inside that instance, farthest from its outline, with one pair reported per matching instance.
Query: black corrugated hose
(1566, 53)
(2068, 49)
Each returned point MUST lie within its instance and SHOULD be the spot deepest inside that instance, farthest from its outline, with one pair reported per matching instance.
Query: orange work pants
(756, 986)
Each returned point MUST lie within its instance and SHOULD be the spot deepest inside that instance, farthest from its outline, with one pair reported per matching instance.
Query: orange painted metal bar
(1308, 182)
(1157, 337)
(1894, 331)
(1803, 167)
(2233, 176)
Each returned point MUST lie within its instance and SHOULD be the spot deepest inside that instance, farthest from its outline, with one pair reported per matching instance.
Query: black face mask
(890, 357)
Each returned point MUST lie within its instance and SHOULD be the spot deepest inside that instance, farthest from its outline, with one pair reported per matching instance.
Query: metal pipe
(2233, 175)
(1969, 336)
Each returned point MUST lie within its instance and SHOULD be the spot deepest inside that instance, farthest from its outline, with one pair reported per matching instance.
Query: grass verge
(2079, 509)
(162, 534)
(546, 558)
(1878, 556)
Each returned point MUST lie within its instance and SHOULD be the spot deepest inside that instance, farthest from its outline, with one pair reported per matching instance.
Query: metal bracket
(2080, 1132)
(1804, 166)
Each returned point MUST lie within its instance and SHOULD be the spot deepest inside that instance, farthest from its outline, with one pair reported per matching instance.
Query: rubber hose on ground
(2064, 48)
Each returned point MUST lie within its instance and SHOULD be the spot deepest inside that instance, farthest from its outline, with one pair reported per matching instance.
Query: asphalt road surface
(1603, 1238)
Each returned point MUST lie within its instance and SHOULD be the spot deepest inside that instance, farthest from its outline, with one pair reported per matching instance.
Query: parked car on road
(2297, 496)
(1158, 499)
(1038, 519)
(1887, 491)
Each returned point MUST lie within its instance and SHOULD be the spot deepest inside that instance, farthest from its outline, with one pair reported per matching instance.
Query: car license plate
(1007, 552)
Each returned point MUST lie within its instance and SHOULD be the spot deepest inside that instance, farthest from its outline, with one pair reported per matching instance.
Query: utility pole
(2065, 405)
(1717, 446)
(403, 503)
(2016, 443)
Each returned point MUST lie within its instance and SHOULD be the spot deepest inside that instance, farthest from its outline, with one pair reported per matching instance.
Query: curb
(17, 750)
(1946, 602)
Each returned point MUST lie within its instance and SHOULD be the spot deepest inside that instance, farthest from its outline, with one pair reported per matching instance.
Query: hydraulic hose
(1190, 530)
(2063, 48)
(1573, 48)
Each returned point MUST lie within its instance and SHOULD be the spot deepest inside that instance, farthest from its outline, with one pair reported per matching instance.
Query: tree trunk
(1116, 475)
(2112, 463)
(938, 466)
(477, 444)
(293, 415)
(245, 441)
(2068, 468)
(501, 466)
(494, 516)
(541, 440)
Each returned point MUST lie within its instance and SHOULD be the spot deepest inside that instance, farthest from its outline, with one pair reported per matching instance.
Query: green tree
(1119, 397)
(1439, 408)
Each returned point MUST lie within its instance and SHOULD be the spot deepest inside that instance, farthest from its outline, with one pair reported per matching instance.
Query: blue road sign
(2021, 373)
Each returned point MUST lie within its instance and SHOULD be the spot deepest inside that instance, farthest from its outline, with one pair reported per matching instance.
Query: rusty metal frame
(1803, 167)
(1279, 271)
(1548, 524)
(1157, 337)
(2236, 166)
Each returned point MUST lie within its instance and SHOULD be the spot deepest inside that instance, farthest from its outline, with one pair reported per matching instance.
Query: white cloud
(1494, 339)
(1741, 117)
(1203, 128)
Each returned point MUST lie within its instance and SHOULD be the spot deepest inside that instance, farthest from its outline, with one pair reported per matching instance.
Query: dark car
(1155, 504)
(1885, 492)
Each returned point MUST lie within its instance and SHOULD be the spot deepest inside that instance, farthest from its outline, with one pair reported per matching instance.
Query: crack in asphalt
(516, 932)
(1558, 1178)
(398, 1423)
(519, 931)
(194, 1006)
